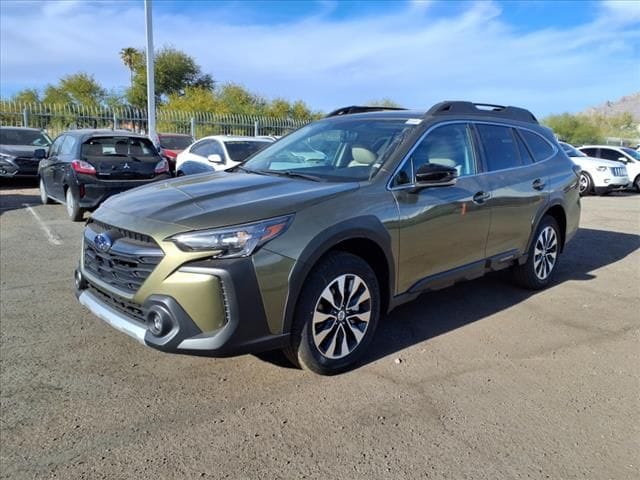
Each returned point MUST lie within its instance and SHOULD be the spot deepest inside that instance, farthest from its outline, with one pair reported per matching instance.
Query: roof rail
(470, 108)
(360, 109)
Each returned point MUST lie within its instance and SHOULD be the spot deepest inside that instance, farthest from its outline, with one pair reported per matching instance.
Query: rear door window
(540, 147)
(500, 148)
(590, 152)
(525, 155)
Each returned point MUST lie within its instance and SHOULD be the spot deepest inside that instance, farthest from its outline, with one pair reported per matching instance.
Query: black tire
(341, 325)
(585, 184)
(531, 274)
(179, 174)
(74, 211)
(44, 196)
(636, 184)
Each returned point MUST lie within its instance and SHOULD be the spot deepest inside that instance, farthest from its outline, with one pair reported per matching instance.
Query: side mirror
(40, 153)
(623, 159)
(435, 175)
(215, 158)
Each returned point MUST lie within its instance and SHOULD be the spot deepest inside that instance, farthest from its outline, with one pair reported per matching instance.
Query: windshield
(571, 150)
(632, 153)
(175, 142)
(340, 150)
(10, 136)
(240, 150)
(118, 146)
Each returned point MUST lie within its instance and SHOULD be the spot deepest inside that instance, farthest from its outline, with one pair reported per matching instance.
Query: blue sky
(548, 56)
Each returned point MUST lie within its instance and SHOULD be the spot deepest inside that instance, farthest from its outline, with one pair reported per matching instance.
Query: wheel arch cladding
(559, 215)
(365, 237)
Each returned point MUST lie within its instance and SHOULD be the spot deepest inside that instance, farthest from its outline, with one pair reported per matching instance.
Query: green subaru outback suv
(306, 244)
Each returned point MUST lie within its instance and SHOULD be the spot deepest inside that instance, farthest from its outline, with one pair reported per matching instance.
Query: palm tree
(130, 57)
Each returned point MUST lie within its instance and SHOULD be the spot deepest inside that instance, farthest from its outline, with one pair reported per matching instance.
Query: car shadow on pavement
(11, 196)
(435, 313)
(439, 312)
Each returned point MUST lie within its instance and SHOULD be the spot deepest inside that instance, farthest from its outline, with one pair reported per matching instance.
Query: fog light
(81, 283)
(159, 321)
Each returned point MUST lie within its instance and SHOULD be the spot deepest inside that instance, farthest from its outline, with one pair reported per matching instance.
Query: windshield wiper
(290, 173)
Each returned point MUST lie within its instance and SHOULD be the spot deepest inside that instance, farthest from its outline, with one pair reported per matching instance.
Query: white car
(597, 176)
(622, 155)
(218, 152)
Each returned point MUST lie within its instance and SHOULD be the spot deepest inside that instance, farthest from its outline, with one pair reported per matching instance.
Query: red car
(171, 144)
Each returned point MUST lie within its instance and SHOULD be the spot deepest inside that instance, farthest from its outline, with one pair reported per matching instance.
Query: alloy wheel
(341, 316)
(584, 183)
(545, 252)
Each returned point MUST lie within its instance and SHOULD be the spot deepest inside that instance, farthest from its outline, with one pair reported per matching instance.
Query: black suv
(17, 147)
(85, 167)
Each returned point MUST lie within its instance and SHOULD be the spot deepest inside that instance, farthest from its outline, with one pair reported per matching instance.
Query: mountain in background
(629, 103)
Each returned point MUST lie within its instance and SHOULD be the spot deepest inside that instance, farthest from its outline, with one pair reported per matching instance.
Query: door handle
(481, 197)
(538, 184)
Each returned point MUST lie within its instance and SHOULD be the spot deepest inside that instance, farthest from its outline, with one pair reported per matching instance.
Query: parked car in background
(218, 152)
(85, 167)
(304, 254)
(17, 147)
(598, 176)
(171, 144)
(627, 156)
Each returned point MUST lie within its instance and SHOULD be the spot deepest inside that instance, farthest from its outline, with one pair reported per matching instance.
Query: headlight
(6, 157)
(601, 169)
(231, 242)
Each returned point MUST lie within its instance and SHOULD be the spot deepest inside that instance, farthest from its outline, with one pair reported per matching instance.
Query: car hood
(18, 150)
(217, 199)
(594, 162)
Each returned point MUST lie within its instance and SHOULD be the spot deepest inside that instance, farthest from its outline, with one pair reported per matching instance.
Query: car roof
(165, 134)
(236, 138)
(28, 129)
(602, 146)
(102, 132)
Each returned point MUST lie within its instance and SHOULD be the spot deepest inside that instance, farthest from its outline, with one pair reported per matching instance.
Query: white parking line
(51, 237)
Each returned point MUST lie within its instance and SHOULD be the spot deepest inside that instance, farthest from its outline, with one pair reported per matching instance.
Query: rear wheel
(585, 183)
(73, 208)
(636, 184)
(44, 196)
(336, 316)
(542, 260)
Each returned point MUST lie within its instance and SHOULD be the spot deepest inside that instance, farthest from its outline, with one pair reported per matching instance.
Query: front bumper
(612, 187)
(241, 322)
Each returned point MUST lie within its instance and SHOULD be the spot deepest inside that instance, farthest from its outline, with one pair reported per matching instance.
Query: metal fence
(57, 118)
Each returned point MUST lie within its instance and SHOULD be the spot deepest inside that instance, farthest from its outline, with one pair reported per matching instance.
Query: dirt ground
(480, 381)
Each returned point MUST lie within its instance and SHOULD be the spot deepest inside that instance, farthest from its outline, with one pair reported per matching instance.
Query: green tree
(384, 102)
(130, 57)
(175, 71)
(76, 89)
(28, 95)
(575, 129)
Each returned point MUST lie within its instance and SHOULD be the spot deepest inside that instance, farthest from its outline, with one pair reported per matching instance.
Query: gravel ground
(480, 381)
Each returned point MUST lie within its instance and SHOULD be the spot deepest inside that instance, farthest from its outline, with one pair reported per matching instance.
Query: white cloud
(408, 55)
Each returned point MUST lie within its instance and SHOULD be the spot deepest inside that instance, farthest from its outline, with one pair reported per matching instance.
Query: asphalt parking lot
(480, 381)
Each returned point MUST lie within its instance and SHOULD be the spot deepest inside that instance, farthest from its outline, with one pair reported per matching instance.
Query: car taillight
(162, 167)
(81, 166)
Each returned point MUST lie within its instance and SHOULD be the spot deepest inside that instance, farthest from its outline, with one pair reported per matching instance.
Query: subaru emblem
(103, 242)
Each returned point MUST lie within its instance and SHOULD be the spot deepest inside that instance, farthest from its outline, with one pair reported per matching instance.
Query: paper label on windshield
(413, 121)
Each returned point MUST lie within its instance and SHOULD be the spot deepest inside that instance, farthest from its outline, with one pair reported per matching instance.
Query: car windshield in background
(175, 142)
(631, 153)
(118, 146)
(10, 136)
(339, 151)
(239, 151)
(571, 150)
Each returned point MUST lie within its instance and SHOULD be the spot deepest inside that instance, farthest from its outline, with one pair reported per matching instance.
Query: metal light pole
(151, 87)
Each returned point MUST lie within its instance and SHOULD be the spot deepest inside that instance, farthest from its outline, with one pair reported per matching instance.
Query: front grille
(27, 165)
(127, 264)
(619, 171)
(100, 227)
(130, 309)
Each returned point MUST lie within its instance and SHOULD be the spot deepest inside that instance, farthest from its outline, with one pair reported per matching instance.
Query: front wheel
(336, 316)
(73, 208)
(537, 271)
(636, 184)
(44, 196)
(585, 184)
